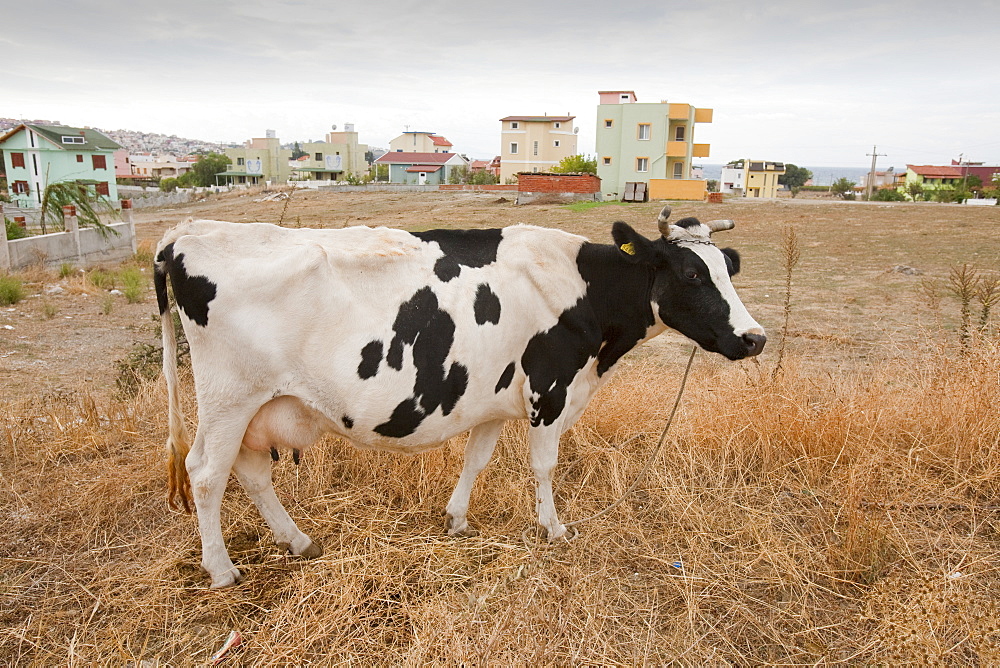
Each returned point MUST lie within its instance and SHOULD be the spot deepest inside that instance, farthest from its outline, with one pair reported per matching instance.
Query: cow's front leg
(479, 449)
(253, 469)
(544, 443)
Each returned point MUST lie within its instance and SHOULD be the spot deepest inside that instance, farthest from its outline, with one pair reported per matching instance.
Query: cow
(398, 341)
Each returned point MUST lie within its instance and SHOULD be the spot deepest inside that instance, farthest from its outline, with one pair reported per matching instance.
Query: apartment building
(534, 143)
(651, 143)
(752, 178)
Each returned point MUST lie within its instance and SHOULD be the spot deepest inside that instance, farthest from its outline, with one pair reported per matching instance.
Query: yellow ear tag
(628, 248)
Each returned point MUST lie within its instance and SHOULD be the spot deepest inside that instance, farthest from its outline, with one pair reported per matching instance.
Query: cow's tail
(178, 442)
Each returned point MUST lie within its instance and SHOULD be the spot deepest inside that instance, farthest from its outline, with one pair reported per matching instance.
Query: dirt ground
(863, 277)
(841, 512)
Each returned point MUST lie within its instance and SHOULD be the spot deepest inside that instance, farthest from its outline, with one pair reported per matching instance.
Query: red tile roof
(404, 158)
(440, 141)
(935, 172)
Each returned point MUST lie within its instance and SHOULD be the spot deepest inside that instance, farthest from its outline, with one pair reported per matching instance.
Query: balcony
(701, 150)
(677, 149)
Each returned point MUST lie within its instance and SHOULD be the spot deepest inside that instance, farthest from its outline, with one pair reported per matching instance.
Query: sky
(806, 82)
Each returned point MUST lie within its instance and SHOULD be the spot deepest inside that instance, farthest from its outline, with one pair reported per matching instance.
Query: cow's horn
(720, 225)
(661, 221)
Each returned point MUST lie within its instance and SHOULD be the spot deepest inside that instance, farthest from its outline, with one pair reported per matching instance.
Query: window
(558, 125)
(679, 133)
(319, 156)
(644, 131)
(102, 189)
(17, 160)
(74, 139)
(534, 148)
(678, 170)
(642, 164)
(79, 158)
(608, 123)
(624, 97)
(100, 161)
(607, 160)
(240, 162)
(556, 143)
(21, 188)
(513, 147)
(514, 125)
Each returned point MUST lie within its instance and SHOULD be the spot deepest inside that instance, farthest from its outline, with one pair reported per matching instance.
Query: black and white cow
(400, 340)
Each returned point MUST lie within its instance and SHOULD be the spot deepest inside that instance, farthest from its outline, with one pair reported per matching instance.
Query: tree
(206, 168)
(576, 164)
(915, 190)
(888, 195)
(297, 151)
(89, 207)
(794, 176)
(842, 187)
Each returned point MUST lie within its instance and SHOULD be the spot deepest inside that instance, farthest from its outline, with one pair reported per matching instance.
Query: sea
(822, 176)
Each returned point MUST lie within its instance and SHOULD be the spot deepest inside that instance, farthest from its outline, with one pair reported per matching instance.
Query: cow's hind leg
(479, 449)
(253, 469)
(209, 463)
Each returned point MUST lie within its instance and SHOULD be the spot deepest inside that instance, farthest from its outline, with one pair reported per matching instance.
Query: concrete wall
(80, 247)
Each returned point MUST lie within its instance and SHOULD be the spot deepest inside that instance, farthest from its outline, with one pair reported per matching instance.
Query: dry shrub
(792, 517)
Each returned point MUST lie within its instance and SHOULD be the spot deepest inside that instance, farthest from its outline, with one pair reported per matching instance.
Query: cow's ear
(732, 260)
(631, 245)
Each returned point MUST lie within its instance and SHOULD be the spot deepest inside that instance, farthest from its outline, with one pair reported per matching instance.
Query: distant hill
(137, 141)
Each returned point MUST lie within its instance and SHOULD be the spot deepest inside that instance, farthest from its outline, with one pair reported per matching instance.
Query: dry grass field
(835, 501)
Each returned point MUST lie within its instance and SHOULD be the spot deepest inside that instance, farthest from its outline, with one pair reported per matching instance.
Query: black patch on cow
(618, 294)
(430, 332)
(348, 421)
(552, 359)
(371, 358)
(160, 283)
(192, 293)
(487, 305)
(274, 454)
(462, 248)
(505, 378)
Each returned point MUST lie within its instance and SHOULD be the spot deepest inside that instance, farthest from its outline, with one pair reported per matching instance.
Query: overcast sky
(812, 83)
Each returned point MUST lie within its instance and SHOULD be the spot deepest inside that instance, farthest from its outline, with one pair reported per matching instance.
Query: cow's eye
(691, 274)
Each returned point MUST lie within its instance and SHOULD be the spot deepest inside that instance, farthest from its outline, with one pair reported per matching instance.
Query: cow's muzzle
(754, 343)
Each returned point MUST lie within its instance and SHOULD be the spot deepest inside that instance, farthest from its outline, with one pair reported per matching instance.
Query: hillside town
(643, 151)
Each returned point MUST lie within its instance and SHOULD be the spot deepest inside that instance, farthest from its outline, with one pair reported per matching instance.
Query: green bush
(133, 284)
(14, 231)
(888, 195)
(11, 290)
(100, 279)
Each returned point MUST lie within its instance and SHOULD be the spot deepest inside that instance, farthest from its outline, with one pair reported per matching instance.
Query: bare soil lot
(841, 508)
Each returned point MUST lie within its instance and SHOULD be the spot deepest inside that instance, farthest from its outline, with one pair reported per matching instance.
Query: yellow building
(413, 141)
(534, 143)
(752, 178)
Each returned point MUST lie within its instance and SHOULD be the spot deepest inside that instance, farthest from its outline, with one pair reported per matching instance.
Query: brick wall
(557, 183)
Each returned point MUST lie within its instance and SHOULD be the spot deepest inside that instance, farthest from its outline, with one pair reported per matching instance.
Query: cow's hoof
(556, 534)
(230, 578)
(310, 551)
(459, 530)
(313, 551)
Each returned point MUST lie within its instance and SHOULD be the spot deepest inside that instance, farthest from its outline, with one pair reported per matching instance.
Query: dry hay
(790, 519)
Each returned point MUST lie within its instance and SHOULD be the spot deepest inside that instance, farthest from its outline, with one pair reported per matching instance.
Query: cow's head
(691, 289)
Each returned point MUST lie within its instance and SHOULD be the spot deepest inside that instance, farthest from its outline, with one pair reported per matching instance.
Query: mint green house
(37, 155)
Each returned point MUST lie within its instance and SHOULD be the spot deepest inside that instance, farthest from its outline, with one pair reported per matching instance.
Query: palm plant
(88, 207)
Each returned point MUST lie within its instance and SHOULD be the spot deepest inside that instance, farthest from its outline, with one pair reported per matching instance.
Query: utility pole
(871, 175)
